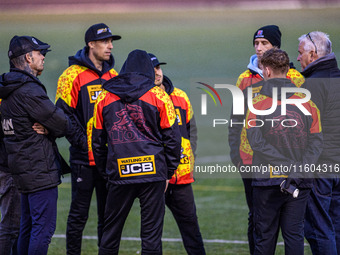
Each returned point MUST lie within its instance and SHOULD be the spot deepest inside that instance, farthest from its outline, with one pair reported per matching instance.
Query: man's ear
(313, 56)
(28, 58)
(91, 44)
(268, 71)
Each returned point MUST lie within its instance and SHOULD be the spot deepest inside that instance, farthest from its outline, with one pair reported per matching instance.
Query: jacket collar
(325, 62)
(253, 65)
(267, 88)
(82, 58)
(169, 88)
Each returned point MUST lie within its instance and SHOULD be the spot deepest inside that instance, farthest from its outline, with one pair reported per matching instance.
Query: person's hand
(40, 129)
(166, 185)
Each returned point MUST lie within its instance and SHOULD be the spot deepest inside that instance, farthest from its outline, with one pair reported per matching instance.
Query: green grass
(210, 46)
(222, 215)
(218, 220)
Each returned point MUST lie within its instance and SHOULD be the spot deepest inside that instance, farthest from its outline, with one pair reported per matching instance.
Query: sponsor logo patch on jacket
(178, 116)
(94, 91)
(7, 127)
(135, 166)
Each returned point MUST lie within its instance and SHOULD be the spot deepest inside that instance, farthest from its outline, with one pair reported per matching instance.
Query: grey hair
(322, 43)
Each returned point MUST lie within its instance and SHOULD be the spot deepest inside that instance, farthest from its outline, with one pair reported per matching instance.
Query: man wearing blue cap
(33, 157)
(78, 88)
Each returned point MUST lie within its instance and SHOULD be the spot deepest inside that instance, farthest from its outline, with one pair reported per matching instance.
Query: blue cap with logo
(155, 61)
(20, 45)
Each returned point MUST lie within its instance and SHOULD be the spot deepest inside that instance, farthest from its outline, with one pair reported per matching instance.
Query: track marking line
(174, 240)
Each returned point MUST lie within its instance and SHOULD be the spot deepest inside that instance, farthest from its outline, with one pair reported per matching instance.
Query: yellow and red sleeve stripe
(295, 77)
(162, 101)
(180, 99)
(68, 85)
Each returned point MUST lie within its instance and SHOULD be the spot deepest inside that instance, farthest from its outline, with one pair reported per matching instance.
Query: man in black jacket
(285, 139)
(320, 68)
(33, 158)
(136, 145)
(9, 206)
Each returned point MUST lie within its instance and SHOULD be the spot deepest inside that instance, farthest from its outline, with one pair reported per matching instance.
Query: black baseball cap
(155, 61)
(99, 31)
(20, 45)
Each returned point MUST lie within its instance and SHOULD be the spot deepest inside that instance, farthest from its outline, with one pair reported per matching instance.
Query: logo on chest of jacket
(7, 127)
(94, 91)
(178, 116)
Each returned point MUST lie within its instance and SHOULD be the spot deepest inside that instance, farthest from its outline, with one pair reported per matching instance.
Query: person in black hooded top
(9, 205)
(136, 145)
(33, 158)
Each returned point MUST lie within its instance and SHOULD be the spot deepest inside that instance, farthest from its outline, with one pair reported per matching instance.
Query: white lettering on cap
(35, 41)
(101, 30)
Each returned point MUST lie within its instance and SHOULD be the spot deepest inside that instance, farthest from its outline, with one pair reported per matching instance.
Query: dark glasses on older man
(310, 38)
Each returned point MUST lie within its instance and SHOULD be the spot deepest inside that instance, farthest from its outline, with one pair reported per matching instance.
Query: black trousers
(274, 210)
(248, 189)
(180, 200)
(119, 202)
(84, 180)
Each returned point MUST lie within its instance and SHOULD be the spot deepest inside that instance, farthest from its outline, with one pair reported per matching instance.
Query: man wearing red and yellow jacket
(136, 145)
(179, 196)
(78, 88)
(241, 153)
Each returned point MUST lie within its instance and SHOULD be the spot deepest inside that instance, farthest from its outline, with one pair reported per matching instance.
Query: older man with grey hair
(320, 68)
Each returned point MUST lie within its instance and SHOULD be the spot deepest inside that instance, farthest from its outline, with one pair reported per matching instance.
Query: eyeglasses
(310, 38)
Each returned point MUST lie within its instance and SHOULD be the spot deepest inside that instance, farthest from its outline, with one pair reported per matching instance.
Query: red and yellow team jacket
(188, 130)
(240, 150)
(78, 88)
(135, 136)
(289, 143)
